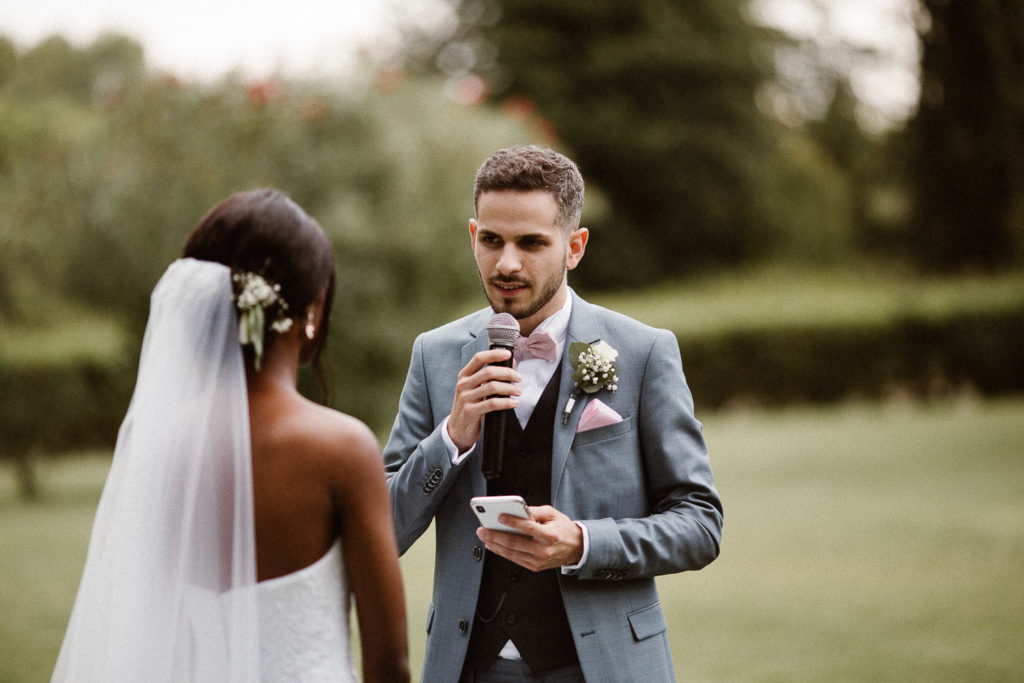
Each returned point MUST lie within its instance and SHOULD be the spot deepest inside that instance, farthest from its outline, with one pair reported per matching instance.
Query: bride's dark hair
(265, 232)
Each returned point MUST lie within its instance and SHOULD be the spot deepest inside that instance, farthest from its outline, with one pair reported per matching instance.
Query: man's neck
(557, 303)
(546, 322)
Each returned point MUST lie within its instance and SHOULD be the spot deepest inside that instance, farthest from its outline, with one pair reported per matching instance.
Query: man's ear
(473, 225)
(577, 245)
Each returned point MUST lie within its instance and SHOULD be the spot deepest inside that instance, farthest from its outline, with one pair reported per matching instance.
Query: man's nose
(509, 262)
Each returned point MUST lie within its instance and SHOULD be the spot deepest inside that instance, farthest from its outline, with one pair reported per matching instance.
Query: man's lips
(509, 288)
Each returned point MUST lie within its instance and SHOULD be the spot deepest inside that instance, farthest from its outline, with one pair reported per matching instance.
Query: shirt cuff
(453, 450)
(570, 569)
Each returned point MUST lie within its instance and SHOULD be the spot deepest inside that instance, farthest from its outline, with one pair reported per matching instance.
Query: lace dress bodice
(304, 630)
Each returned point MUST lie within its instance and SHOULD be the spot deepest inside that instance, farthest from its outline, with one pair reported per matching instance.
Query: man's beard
(547, 293)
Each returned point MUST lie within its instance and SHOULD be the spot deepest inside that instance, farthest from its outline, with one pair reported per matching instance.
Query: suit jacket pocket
(647, 621)
(430, 617)
(603, 433)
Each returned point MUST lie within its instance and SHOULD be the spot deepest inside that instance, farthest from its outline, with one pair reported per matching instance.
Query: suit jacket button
(477, 553)
(435, 479)
(463, 626)
(511, 619)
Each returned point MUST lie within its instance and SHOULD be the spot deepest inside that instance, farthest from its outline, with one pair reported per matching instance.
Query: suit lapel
(583, 327)
(478, 342)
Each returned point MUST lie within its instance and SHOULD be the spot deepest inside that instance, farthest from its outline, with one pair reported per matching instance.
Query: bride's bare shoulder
(332, 424)
(303, 431)
(333, 434)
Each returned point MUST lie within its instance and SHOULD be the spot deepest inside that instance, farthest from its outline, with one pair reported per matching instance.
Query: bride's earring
(310, 328)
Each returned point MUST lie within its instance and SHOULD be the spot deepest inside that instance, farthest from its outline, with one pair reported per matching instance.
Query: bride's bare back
(313, 469)
(318, 475)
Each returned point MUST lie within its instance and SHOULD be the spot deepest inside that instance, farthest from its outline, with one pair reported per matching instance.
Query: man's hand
(553, 540)
(481, 388)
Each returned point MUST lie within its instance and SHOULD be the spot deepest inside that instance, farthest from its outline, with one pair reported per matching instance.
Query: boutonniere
(593, 370)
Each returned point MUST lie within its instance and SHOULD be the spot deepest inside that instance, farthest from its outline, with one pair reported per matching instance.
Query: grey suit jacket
(642, 487)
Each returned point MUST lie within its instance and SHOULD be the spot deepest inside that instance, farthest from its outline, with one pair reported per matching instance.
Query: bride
(238, 516)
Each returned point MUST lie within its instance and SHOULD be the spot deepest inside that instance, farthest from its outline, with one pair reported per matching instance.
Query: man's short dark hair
(526, 168)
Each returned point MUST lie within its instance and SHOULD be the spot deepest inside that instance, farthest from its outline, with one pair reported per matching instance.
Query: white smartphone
(487, 509)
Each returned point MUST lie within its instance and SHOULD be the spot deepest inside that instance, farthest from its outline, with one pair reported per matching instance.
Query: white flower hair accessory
(256, 300)
(593, 370)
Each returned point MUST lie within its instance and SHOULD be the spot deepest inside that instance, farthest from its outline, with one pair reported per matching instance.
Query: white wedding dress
(169, 590)
(304, 631)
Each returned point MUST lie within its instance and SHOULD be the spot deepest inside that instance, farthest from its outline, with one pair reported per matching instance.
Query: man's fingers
(528, 552)
(482, 359)
(481, 388)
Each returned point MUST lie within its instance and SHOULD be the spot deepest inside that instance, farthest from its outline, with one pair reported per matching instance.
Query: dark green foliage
(63, 407)
(8, 59)
(967, 164)
(655, 99)
(915, 357)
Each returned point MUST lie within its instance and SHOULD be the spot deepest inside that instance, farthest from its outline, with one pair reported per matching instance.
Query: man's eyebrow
(482, 231)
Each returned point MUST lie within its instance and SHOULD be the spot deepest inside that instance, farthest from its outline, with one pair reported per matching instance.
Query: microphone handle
(495, 427)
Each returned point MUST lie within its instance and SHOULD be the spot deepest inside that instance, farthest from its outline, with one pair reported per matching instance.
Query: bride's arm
(371, 558)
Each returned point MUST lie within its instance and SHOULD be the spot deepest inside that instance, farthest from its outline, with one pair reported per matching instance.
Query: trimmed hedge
(81, 404)
(916, 355)
(69, 406)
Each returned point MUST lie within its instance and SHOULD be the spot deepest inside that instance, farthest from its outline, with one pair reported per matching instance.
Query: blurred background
(822, 199)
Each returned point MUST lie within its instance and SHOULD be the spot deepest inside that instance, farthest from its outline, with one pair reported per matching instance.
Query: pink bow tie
(537, 345)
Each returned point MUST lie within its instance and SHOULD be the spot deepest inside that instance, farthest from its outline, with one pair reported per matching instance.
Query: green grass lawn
(862, 543)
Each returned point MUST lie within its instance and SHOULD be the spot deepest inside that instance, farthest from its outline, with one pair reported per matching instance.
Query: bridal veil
(168, 590)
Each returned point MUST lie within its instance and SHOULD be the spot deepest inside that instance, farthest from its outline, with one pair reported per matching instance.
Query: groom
(612, 505)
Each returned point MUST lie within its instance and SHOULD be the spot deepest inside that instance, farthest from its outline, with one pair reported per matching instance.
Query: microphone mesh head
(503, 329)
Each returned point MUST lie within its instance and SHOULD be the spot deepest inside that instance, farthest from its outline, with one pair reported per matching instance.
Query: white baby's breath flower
(593, 369)
(257, 301)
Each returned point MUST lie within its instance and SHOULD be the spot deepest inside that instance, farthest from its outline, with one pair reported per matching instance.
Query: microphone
(502, 333)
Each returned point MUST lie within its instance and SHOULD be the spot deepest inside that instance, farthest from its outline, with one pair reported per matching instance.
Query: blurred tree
(861, 161)
(825, 65)
(54, 66)
(97, 198)
(655, 100)
(967, 138)
(8, 59)
(117, 63)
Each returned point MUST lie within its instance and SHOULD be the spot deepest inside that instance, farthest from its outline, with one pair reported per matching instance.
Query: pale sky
(207, 38)
(884, 75)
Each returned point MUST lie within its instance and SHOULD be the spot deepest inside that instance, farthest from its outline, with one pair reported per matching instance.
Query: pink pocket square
(595, 415)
